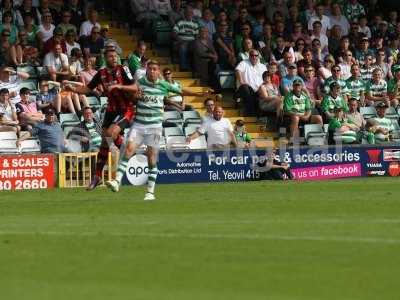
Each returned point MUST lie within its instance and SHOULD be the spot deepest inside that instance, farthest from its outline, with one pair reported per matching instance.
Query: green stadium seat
(314, 135)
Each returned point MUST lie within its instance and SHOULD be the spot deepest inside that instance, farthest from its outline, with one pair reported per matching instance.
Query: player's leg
(152, 155)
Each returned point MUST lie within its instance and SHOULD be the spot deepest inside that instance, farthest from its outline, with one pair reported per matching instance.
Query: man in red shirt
(120, 88)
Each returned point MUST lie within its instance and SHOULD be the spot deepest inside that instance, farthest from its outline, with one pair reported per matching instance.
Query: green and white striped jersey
(186, 30)
(384, 123)
(354, 87)
(377, 89)
(95, 137)
(341, 82)
(150, 107)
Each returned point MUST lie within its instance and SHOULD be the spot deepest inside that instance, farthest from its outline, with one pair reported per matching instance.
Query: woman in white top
(46, 28)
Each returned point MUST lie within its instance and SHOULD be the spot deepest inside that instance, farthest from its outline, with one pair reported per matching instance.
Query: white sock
(151, 182)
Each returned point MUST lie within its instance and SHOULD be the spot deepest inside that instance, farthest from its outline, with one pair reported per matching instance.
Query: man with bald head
(219, 131)
(249, 75)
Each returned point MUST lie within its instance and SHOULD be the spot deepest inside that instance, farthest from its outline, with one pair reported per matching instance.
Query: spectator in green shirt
(297, 107)
(243, 139)
(135, 58)
(393, 87)
(333, 100)
(342, 127)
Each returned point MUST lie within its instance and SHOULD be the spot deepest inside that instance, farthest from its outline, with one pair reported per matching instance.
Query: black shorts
(117, 119)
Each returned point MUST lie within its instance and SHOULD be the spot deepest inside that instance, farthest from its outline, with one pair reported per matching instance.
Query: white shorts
(145, 136)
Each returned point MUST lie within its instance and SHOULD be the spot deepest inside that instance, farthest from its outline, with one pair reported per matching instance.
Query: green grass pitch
(259, 240)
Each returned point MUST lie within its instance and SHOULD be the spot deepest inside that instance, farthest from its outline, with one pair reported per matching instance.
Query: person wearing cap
(8, 115)
(249, 75)
(49, 133)
(355, 85)
(27, 112)
(57, 38)
(10, 79)
(65, 24)
(393, 87)
(135, 58)
(381, 126)
(56, 63)
(297, 107)
(287, 81)
(376, 89)
(339, 125)
(332, 100)
(93, 45)
(109, 41)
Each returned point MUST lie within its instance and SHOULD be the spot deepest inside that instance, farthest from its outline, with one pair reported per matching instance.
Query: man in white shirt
(219, 131)
(249, 77)
(56, 63)
(10, 80)
(319, 16)
(87, 26)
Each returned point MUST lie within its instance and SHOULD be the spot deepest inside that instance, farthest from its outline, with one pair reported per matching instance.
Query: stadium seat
(8, 146)
(161, 32)
(8, 135)
(103, 101)
(176, 142)
(227, 79)
(93, 102)
(30, 84)
(199, 143)
(314, 135)
(73, 146)
(68, 119)
(173, 131)
(172, 117)
(368, 112)
(67, 129)
(191, 128)
(191, 117)
(30, 146)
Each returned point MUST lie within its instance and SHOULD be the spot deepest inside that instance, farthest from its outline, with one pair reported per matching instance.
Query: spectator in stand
(345, 65)
(43, 8)
(353, 10)
(209, 105)
(223, 44)
(270, 99)
(176, 13)
(75, 63)
(340, 124)
(334, 39)
(70, 42)
(26, 54)
(49, 133)
(88, 132)
(382, 64)
(332, 100)
(8, 6)
(219, 131)
(393, 87)
(93, 45)
(8, 52)
(313, 86)
(356, 86)
(316, 33)
(56, 63)
(10, 80)
(305, 62)
(246, 33)
(280, 49)
(336, 18)
(336, 77)
(183, 34)
(31, 30)
(299, 47)
(297, 108)
(243, 139)
(354, 116)
(321, 18)
(27, 112)
(46, 28)
(48, 98)
(376, 90)
(318, 54)
(363, 51)
(66, 24)
(207, 21)
(247, 46)
(7, 23)
(249, 75)
(243, 19)
(8, 115)
(380, 126)
(87, 26)
(367, 68)
(288, 60)
(267, 42)
(75, 8)
(364, 29)
(87, 74)
(344, 47)
(176, 102)
(25, 9)
(57, 38)
(104, 32)
(136, 57)
(287, 81)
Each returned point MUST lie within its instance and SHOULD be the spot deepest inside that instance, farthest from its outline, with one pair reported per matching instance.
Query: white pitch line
(349, 239)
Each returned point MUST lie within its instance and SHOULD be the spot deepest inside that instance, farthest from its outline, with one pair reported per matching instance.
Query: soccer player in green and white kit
(147, 126)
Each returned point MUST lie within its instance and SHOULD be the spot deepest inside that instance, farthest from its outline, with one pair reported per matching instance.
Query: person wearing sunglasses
(93, 44)
(367, 68)
(7, 24)
(8, 52)
(65, 24)
(249, 75)
(336, 77)
(57, 38)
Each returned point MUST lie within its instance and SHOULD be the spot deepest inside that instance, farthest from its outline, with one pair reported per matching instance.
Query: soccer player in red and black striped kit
(120, 88)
